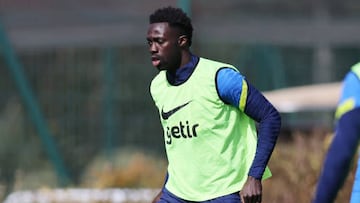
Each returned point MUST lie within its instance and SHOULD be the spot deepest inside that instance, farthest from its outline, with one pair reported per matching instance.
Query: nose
(152, 48)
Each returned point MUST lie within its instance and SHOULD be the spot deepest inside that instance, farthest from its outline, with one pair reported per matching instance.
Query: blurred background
(75, 108)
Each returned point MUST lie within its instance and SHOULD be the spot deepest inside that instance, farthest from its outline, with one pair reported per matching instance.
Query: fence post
(32, 106)
(108, 101)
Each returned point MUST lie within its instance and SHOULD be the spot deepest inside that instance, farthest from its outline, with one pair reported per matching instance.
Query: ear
(183, 41)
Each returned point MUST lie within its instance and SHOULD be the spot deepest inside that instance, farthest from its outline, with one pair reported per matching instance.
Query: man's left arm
(262, 111)
(235, 90)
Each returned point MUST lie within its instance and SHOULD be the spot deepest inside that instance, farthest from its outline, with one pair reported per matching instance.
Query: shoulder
(356, 69)
(352, 79)
(157, 80)
(229, 73)
(214, 63)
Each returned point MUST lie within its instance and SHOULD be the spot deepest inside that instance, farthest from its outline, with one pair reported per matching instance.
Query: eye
(160, 41)
(149, 42)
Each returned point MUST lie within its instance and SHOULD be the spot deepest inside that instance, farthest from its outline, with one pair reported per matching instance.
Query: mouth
(155, 61)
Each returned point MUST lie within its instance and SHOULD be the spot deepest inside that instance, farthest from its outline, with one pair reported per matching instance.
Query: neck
(186, 57)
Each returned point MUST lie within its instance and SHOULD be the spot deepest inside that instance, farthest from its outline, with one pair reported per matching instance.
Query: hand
(252, 191)
(157, 197)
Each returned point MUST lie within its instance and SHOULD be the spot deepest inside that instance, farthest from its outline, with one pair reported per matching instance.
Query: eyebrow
(154, 38)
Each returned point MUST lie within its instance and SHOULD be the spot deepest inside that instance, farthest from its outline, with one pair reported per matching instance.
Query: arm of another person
(234, 89)
(339, 156)
(158, 196)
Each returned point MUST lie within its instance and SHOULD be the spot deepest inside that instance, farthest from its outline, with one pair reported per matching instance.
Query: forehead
(162, 29)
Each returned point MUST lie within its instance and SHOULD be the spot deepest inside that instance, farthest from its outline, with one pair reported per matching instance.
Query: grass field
(295, 164)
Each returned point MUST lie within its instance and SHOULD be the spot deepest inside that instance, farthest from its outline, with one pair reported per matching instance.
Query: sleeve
(339, 156)
(235, 90)
(341, 151)
(350, 96)
(229, 84)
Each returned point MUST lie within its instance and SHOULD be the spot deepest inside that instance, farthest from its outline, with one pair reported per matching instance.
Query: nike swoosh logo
(166, 115)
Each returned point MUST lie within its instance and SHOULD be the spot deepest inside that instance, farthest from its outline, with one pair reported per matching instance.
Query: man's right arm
(157, 197)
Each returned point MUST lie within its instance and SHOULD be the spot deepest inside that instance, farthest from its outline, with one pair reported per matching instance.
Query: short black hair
(176, 17)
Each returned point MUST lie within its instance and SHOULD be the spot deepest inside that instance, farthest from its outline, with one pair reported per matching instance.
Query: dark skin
(170, 51)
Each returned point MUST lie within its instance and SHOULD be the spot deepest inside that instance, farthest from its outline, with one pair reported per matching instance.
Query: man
(343, 147)
(207, 110)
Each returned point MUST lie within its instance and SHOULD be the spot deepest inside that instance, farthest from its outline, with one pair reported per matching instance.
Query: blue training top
(229, 84)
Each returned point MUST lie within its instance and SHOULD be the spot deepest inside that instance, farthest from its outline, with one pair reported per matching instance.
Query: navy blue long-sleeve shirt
(229, 83)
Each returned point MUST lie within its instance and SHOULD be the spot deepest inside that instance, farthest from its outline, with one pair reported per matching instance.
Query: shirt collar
(184, 72)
